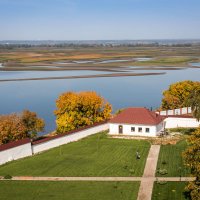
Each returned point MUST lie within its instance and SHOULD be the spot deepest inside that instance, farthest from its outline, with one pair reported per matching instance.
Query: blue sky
(99, 19)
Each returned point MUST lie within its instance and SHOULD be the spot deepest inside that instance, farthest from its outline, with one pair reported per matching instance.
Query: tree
(11, 128)
(32, 123)
(75, 110)
(194, 102)
(17, 126)
(192, 160)
(178, 93)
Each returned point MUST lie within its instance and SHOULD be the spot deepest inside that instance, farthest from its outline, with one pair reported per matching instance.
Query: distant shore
(83, 76)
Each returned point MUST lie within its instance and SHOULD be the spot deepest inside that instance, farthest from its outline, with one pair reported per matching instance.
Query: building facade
(136, 122)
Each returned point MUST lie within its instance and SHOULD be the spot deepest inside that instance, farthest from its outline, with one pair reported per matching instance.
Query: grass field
(30, 190)
(172, 156)
(96, 155)
(169, 191)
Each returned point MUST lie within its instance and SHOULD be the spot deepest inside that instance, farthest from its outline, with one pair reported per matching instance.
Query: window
(140, 129)
(132, 129)
(147, 130)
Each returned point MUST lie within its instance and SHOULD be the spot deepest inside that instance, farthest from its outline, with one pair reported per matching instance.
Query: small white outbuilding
(136, 122)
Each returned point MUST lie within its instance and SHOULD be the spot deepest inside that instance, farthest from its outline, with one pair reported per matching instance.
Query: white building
(136, 122)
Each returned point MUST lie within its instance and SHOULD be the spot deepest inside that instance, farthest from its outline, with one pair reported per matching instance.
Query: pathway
(147, 180)
(35, 178)
(146, 186)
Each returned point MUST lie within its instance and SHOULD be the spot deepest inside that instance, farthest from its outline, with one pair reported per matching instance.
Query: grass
(164, 56)
(95, 155)
(170, 158)
(169, 191)
(68, 190)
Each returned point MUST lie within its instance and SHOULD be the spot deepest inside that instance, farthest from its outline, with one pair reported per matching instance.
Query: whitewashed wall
(174, 122)
(178, 111)
(15, 153)
(154, 130)
(36, 148)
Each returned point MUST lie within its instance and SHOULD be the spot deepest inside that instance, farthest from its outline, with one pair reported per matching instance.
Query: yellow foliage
(178, 93)
(75, 110)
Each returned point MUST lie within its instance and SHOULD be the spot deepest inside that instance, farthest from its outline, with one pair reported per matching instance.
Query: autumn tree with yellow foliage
(192, 160)
(17, 126)
(178, 94)
(76, 110)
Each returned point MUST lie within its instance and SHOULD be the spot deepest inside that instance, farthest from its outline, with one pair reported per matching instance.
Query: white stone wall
(178, 111)
(36, 148)
(174, 122)
(154, 130)
(15, 153)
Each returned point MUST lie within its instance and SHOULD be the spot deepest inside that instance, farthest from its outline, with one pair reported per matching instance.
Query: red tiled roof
(137, 116)
(14, 144)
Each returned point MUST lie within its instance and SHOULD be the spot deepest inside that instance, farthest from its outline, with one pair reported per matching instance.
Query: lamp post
(180, 169)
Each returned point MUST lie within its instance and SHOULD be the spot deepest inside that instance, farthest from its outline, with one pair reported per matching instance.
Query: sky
(99, 19)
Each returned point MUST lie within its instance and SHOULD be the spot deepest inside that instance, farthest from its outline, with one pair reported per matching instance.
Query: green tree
(192, 160)
(178, 93)
(75, 110)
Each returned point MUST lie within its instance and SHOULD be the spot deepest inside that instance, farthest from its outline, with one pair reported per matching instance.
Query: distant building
(136, 122)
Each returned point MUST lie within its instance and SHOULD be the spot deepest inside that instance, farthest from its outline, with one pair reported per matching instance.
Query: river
(40, 96)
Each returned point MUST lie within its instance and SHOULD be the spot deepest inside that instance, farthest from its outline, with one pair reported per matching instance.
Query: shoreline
(84, 76)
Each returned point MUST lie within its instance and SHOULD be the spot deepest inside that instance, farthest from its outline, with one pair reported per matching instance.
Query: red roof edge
(10, 145)
(68, 133)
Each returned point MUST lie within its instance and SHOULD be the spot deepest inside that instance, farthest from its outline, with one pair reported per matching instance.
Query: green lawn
(30, 190)
(96, 155)
(169, 191)
(172, 156)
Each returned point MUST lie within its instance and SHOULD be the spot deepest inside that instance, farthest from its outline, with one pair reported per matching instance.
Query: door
(120, 129)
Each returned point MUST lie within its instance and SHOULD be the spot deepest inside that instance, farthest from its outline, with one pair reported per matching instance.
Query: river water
(40, 96)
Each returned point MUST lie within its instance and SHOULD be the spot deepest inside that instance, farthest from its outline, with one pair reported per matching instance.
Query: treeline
(87, 45)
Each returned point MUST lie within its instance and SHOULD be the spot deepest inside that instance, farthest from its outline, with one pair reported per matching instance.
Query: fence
(24, 148)
(179, 111)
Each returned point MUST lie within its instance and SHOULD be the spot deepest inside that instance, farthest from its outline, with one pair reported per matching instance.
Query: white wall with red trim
(15, 153)
(28, 149)
(37, 148)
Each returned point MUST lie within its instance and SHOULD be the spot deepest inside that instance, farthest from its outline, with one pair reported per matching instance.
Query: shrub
(7, 176)
(132, 171)
(162, 171)
(186, 131)
(162, 182)
(164, 162)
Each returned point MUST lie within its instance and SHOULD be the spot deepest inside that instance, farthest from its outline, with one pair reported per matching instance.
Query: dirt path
(146, 186)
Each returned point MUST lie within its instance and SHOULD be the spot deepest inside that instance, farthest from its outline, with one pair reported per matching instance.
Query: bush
(162, 182)
(162, 171)
(164, 162)
(7, 176)
(132, 171)
(186, 131)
